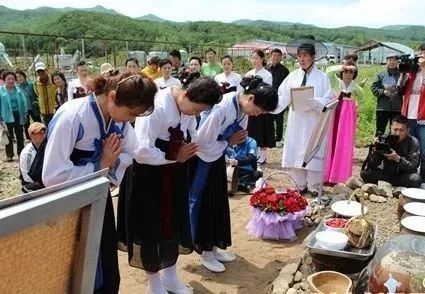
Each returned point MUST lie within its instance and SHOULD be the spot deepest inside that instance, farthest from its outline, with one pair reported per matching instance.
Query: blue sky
(324, 13)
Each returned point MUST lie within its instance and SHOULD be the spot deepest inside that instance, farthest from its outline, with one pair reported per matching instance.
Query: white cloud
(325, 13)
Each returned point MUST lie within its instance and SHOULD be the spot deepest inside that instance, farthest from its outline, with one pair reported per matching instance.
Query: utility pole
(83, 51)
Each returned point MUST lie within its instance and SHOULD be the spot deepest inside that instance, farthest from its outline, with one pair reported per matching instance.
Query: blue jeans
(418, 131)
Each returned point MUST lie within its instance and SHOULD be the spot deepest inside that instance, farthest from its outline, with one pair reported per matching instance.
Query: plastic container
(331, 240)
(329, 227)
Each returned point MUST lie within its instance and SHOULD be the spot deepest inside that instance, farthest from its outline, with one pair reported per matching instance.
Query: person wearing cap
(302, 122)
(46, 92)
(37, 133)
(413, 106)
(77, 88)
(13, 111)
(152, 69)
(106, 70)
(211, 68)
(388, 97)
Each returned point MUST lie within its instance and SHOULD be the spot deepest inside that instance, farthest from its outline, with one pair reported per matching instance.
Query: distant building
(245, 49)
(374, 52)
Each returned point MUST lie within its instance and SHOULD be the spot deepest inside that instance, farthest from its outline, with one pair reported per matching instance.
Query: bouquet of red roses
(268, 200)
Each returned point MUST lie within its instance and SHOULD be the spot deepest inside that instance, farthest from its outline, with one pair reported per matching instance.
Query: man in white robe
(301, 124)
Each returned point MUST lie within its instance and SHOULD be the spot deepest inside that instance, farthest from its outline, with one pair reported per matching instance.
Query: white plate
(348, 208)
(414, 193)
(415, 208)
(414, 223)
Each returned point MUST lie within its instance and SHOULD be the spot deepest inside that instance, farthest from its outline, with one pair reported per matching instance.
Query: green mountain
(153, 33)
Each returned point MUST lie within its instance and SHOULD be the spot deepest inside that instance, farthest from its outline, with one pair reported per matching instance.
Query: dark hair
(197, 58)
(261, 54)
(401, 119)
(8, 73)
(175, 53)
(154, 60)
(22, 73)
(351, 56)
(265, 96)
(59, 74)
(186, 76)
(132, 90)
(164, 62)
(276, 50)
(132, 59)
(81, 63)
(228, 57)
(211, 50)
(204, 90)
(349, 63)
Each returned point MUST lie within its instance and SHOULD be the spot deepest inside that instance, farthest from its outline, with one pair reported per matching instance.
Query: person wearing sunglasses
(87, 135)
(153, 216)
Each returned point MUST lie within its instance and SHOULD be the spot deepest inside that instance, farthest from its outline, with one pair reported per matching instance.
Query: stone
(354, 183)
(306, 269)
(315, 210)
(379, 199)
(318, 220)
(386, 189)
(280, 286)
(298, 277)
(339, 197)
(291, 291)
(397, 191)
(308, 222)
(304, 286)
(297, 286)
(370, 189)
(342, 189)
(290, 268)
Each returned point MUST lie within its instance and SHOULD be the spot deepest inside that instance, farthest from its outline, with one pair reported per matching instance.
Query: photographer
(396, 163)
(413, 107)
(389, 98)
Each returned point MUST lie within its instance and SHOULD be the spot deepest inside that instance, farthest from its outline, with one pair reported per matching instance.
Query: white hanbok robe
(300, 125)
(75, 126)
(234, 80)
(264, 73)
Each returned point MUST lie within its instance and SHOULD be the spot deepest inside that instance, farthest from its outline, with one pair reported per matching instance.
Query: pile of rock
(315, 214)
(375, 193)
(292, 277)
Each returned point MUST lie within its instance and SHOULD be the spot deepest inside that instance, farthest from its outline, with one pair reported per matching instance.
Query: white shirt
(412, 112)
(74, 125)
(234, 79)
(155, 126)
(25, 161)
(264, 73)
(301, 124)
(162, 84)
(72, 88)
(213, 123)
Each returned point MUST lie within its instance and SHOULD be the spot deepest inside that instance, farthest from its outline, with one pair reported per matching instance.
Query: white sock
(169, 276)
(155, 284)
(208, 255)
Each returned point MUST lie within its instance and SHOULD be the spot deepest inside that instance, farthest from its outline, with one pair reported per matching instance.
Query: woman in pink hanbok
(339, 159)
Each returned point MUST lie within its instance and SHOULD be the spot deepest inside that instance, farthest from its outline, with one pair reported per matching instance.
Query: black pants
(409, 180)
(383, 118)
(35, 118)
(46, 119)
(15, 130)
(279, 118)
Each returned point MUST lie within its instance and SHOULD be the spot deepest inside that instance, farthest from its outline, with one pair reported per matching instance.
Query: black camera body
(408, 64)
(386, 142)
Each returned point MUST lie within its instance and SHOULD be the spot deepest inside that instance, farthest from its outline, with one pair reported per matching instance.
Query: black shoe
(244, 189)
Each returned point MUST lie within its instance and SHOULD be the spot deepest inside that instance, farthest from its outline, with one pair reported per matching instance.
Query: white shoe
(178, 289)
(213, 265)
(224, 256)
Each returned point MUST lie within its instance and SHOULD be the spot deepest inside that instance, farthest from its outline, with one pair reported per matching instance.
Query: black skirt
(261, 129)
(153, 215)
(213, 227)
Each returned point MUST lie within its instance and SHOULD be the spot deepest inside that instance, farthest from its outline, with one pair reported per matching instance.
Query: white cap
(105, 67)
(40, 66)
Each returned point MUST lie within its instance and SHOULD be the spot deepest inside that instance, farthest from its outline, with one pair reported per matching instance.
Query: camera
(408, 64)
(385, 143)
